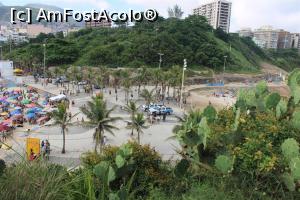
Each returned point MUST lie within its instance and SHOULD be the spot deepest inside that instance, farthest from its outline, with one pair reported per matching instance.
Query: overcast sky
(245, 13)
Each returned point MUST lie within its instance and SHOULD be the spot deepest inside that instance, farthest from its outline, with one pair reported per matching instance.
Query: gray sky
(245, 13)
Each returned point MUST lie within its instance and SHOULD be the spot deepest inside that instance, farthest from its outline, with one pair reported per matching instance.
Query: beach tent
(58, 98)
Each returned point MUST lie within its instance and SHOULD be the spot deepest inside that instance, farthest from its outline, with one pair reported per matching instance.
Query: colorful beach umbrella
(30, 116)
(32, 105)
(4, 127)
(16, 112)
(4, 114)
(26, 101)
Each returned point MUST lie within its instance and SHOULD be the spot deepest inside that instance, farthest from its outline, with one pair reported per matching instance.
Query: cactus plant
(237, 119)
(295, 168)
(210, 113)
(182, 168)
(296, 120)
(261, 89)
(224, 164)
(281, 108)
(289, 182)
(272, 101)
(290, 148)
(294, 85)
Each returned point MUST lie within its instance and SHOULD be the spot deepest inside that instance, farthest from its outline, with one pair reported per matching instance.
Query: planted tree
(99, 117)
(63, 119)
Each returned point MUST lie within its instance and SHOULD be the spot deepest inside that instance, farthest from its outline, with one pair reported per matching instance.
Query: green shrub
(36, 180)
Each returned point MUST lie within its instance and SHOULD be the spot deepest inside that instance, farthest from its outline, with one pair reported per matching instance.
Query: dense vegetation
(248, 151)
(287, 59)
(191, 38)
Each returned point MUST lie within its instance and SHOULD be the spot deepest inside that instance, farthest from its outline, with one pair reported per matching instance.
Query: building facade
(296, 41)
(217, 13)
(98, 24)
(245, 32)
(34, 30)
(284, 39)
(266, 37)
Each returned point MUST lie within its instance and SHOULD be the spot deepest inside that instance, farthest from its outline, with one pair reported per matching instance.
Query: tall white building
(217, 13)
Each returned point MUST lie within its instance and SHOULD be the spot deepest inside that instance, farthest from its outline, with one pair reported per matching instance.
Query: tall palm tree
(132, 109)
(99, 117)
(63, 119)
(138, 124)
(175, 12)
(148, 96)
(127, 85)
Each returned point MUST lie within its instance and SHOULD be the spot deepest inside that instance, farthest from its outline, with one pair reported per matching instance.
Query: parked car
(154, 110)
(146, 108)
(82, 83)
(97, 87)
(160, 110)
(166, 110)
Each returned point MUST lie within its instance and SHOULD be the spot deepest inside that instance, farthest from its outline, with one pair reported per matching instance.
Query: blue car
(166, 110)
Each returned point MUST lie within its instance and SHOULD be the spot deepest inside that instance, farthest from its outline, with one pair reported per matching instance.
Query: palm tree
(175, 12)
(63, 119)
(127, 85)
(138, 124)
(132, 109)
(148, 96)
(99, 117)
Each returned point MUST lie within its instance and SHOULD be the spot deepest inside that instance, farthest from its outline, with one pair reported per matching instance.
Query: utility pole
(225, 57)
(160, 59)
(1, 52)
(9, 44)
(44, 63)
(182, 81)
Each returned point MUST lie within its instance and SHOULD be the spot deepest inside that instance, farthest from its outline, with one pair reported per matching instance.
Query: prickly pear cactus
(224, 164)
(281, 108)
(296, 120)
(294, 84)
(261, 89)
(203, 131)
(290, 150)
(272, 101)
(295, 168)
(289, 182)
(237, 119)
(210, 113)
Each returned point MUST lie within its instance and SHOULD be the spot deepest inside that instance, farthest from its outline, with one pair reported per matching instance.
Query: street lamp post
(160, 59)
(182, 81)
(1, 52)
(44, 45)
(225, 57)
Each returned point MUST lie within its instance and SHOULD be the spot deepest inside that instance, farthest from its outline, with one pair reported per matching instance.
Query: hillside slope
(191, 38)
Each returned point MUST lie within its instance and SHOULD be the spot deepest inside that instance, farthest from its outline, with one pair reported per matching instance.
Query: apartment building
(284, 39)
(217, 13)
(296, 41)
(245, 32)
(266, 37)
(34, 30)
(98, 24)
